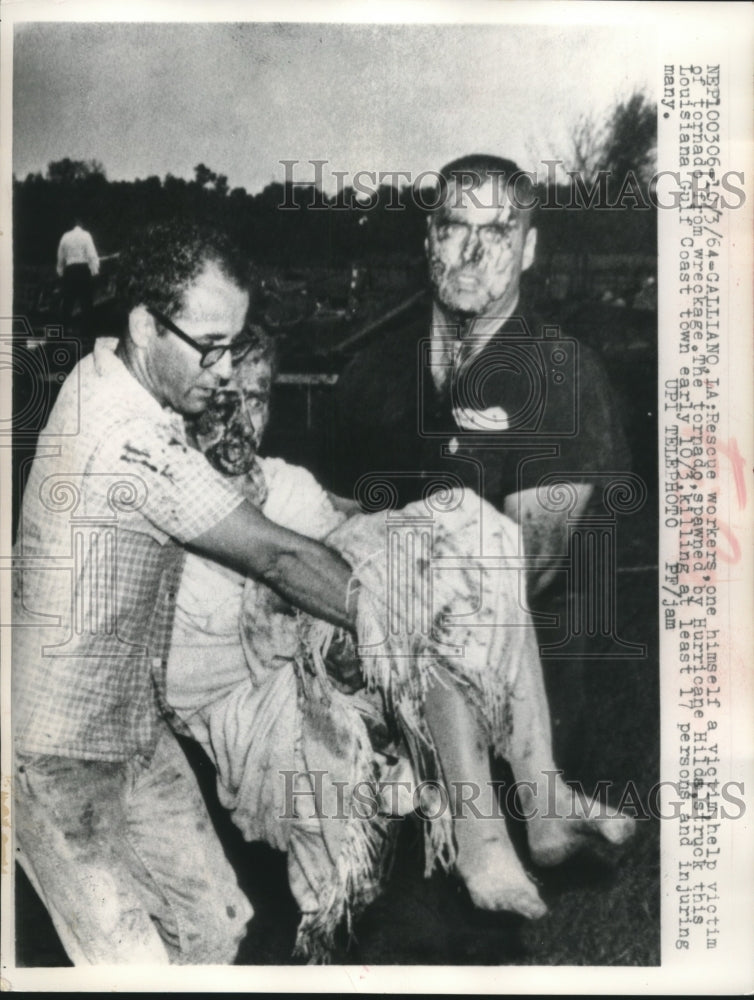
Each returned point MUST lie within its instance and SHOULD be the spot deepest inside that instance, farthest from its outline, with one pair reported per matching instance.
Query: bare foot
(493, 875)
(573, 825)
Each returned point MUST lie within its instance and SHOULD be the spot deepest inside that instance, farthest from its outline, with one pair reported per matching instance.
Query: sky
(151, 98)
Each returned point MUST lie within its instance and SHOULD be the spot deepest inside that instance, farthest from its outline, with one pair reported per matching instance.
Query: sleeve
(91, 253)
(61, 258)
(597, 441)
(182, 494)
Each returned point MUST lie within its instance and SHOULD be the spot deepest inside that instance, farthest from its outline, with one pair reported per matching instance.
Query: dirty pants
(126, 860)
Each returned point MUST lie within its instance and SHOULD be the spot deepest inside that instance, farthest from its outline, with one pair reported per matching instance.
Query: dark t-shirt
(546, 408)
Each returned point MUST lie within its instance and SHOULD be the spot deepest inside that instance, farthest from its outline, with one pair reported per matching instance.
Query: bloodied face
(230, 430)
(477, 245)
(252, 379)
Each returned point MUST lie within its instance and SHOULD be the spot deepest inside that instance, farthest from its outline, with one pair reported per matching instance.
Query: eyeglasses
(210, 356)
(489, 236)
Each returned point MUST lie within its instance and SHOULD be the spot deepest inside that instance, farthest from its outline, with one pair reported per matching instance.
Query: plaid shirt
(112, 488)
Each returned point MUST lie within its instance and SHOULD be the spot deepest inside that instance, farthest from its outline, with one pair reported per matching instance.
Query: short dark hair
(473, 170)
(163, 259)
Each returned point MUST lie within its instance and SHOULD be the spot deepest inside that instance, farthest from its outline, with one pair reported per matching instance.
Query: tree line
(390, 225)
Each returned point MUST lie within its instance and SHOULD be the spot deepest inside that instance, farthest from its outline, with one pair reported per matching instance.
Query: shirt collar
(108, 364)
(480, 330)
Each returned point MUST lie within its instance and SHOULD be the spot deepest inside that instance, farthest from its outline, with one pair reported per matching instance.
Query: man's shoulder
(100, 394)
(77, 385)
(105, 379)
(552, 330)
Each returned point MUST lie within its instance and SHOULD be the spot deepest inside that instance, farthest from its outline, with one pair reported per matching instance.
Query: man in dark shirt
(481, 389)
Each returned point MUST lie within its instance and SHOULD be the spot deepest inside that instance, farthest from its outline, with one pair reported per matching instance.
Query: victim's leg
(558, 818)
(486, 859)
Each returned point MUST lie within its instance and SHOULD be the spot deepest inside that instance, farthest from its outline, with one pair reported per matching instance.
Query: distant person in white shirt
(78, 265)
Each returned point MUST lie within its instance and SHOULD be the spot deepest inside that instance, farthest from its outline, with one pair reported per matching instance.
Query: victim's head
(230, 429)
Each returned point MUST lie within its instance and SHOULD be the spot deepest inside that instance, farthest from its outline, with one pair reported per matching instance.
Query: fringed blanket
(295, 762)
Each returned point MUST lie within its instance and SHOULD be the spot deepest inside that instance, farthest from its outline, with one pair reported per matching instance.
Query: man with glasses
(110, 825)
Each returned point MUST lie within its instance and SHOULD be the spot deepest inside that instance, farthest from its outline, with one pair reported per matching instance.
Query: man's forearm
(304, 572)
(317, 580)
